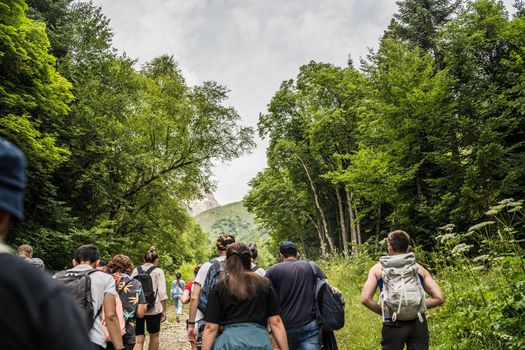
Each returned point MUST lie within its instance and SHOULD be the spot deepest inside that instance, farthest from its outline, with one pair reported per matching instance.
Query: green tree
(34, 101)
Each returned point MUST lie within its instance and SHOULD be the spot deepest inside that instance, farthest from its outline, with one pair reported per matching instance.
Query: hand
(192, 334)
(163, 317)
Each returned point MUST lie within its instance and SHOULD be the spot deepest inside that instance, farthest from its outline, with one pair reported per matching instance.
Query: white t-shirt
(201, 277)
(159, 285)
(101, 283)
(260, 271)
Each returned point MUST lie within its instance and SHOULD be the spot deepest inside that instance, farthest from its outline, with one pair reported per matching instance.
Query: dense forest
(428, 131)
(426, 135)
(114, 152)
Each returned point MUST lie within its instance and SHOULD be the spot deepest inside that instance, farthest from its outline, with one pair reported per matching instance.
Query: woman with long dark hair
(245, 304)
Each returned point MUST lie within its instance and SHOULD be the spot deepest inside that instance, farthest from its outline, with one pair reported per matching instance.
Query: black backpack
(212, 277)
(144, 277)
(329, 304)
(79, 284)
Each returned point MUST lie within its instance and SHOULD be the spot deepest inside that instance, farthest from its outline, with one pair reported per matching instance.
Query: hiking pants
(414, 334)
(307, 337)
(178, 304)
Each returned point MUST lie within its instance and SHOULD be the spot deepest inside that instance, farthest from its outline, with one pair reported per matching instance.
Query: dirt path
(173, 333)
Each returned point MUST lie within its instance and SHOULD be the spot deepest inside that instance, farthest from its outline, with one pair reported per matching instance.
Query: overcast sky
(250, 46)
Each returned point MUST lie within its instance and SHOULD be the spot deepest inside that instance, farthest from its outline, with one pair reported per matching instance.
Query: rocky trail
(173, 333)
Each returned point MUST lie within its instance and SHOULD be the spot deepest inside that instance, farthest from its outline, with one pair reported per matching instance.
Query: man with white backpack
(403, 284)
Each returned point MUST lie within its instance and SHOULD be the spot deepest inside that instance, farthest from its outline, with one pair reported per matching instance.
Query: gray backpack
(79, 285)
(403, 296)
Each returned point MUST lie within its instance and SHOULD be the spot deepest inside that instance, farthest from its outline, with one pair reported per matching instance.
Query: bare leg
(154, 341)
(139, 342)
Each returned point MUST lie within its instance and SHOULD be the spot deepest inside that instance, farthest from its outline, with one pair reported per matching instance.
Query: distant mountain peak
(198, 206)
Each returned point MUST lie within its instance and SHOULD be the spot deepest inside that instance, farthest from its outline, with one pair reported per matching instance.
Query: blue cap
(12, 180)
(288, 248)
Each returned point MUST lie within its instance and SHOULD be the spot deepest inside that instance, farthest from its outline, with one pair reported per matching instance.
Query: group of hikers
(233, 304)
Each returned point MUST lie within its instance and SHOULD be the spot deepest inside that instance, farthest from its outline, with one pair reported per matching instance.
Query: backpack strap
(311, 264)
(139, 269)
(255, 268)
(150, 270)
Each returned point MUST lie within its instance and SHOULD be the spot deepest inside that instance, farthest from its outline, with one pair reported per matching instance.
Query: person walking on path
(208, 273)
(293, 281)
(37, 311)
(186, 296)
(130, 294)
(254, 267)
(176, 291)
(156, 313)
(102, 294)
(25, 251)
(245, 304)
(403, 322)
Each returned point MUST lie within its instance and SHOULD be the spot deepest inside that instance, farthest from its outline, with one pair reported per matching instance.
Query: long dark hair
(242, 283)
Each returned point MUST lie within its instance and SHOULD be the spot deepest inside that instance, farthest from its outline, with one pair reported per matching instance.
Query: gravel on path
(173, 333)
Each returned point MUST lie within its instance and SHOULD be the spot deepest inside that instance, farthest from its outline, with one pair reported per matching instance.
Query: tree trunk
(378, 223)
(303, 243)
(342, 221)
(358, 228)
(320, 234)
(351, 215)
(326, 230)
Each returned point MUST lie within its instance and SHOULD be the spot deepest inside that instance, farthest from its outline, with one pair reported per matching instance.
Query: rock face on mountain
(199, 206)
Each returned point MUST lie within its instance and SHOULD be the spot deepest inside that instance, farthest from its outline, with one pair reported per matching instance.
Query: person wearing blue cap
(37, 312)
(293, 281)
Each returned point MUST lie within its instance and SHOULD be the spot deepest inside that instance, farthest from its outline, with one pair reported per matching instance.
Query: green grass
(362, 327)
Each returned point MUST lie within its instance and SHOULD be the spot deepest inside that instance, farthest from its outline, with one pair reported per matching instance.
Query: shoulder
(422, 271)
(376, 270)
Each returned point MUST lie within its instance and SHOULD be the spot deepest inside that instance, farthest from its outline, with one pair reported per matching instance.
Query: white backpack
(403, 296)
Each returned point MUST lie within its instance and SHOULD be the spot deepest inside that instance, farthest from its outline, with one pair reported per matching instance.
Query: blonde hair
(26, 250)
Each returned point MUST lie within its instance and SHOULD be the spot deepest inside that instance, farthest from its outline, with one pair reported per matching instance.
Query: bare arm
(369, 290)
(163, 317)
(210, 333)
(112, 323)
(431, 287)
(185, 297)
(141, 310)
(194, 301)
(278, 331)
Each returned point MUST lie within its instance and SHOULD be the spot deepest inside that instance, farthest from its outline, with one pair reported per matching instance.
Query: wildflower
(446, 237)
(515, 209)
(480, 225)
(461, 248)
(506, 201)
(480, 258)
(492, 212)
(448, 228)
